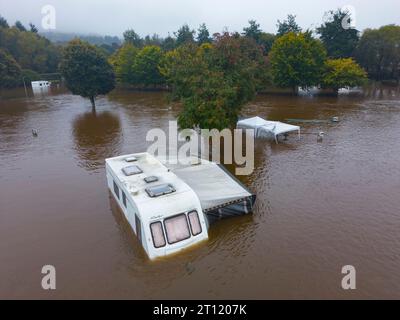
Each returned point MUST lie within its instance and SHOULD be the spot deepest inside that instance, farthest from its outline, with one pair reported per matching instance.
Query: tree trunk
(93, 103)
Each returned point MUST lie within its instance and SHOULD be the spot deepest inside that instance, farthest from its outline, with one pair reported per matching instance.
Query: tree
(184, 35)
(154, 40)
(378, 52)
(288, 25)
(20, 26)
(122, 61)
(341, 73)
(297, 60)
(30, 50)
(267, 40)
(168, 44)
(253, 31)
(203, 35)
(339, 42)
(33, 28)
(86, 70)
(3, 23)
(10, 71)
(130, 36)
(146, 66)
(214, 81)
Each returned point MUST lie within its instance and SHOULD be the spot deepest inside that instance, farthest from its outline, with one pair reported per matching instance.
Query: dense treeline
(329, 56)
(27, 51)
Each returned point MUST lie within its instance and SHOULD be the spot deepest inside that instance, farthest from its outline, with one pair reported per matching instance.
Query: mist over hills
(63, 37)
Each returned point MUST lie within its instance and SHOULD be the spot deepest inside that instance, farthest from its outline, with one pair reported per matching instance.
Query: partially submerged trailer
(267, 129)
(170, 207)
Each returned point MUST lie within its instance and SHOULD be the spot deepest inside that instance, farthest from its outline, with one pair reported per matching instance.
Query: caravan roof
(143, 193)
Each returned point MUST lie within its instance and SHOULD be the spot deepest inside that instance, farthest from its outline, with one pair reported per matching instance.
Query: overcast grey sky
(112, 17)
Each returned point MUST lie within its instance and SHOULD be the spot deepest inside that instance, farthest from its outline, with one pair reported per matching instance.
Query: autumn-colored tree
(122, 61)
(146, 66)
(341, 73)
(297, 60)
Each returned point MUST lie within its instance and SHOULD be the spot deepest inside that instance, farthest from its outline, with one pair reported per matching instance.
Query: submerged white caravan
(266, 129)
(40, 84)
(170, 207)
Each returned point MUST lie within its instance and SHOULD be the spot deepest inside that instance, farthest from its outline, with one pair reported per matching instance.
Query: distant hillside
(59, 37)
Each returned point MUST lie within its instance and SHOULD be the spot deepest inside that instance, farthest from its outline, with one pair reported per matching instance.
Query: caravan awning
(220, 193)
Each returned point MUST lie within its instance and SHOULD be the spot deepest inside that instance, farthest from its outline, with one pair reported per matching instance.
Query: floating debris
(34, 132)
(189, 267)
(320, 136)
(335, 119)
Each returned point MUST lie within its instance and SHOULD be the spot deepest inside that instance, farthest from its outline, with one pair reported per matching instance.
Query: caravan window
(124, 199)
(157, 234)
(177, 228)
(194, 222)
(116, 189)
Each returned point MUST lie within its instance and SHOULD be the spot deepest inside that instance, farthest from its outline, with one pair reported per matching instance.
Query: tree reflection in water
(97, 135)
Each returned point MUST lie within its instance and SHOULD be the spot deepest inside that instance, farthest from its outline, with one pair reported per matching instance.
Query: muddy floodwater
(320, 205)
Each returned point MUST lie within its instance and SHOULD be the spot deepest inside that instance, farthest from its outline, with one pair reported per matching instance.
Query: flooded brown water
(320, 206)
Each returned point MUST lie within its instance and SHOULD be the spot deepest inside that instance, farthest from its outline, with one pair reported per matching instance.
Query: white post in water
(26, 92)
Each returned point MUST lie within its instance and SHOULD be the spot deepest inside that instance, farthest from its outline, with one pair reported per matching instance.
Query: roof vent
(160, 190)
(150, 179)
(131, 170)
(131, 159)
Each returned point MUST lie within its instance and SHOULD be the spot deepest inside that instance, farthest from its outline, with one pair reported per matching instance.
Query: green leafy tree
(146, 66)
(214, 81)
(203, 35)
(130, 36)
(86, 70)
(20, 26)
(267, 40)
(378, 52)
(123, 60)
(33, 28)
(253, 31)
(184, 35)
(341, 73)
(168, 44)
(154, 40)
(339, 42)
(3, 23)
(10, 71)
(288, 25)
(297, 60)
